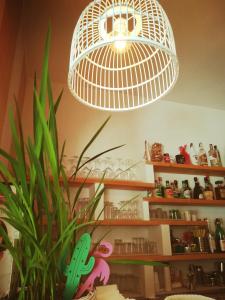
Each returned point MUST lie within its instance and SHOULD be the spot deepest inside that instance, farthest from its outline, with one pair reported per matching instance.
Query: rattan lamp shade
(123, 55)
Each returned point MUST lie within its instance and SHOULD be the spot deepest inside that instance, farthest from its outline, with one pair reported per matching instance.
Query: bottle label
(203, 159)
(222, 193)
(212, 245)
(187, 194)
(169, 193)
(157, 193)
(201, 196)
(222, 245)
(213, 161)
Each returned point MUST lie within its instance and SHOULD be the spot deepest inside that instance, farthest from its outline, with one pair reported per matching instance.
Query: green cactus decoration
(77, 266)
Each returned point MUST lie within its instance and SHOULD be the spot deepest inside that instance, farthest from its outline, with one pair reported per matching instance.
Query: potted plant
(40, 207)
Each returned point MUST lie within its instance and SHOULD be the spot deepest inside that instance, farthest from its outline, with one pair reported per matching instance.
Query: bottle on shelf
(176, 190)
(219, 190)
(210, 238)
(221, 273)
(146, 154)
(168, 190)
(198, 190)
(219, 236)
(202, 157)
(186, 191)
(159, 188)
(193, 155)
(208, 192)
(217, 153)
(212, 154)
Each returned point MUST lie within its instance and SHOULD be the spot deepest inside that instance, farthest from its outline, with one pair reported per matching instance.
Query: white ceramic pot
(188, 297)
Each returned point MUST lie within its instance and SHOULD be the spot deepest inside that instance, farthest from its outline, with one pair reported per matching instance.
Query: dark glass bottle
(208, 192)
(198, 190)
(219, 236)
(219, 190)
(159, 189)
(176, 190)
(168, 190)
(187, 192)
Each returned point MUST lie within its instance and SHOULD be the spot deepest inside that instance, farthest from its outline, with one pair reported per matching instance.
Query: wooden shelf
(114, 184)
(155, 222)
(198, 289)
(192, 202)
(187, 169)
(171, 258)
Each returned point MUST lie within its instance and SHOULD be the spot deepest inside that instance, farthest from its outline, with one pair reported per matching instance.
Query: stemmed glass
(85, 170)
(119, 168)
(109, 173)
(70, 165)
(131, 169)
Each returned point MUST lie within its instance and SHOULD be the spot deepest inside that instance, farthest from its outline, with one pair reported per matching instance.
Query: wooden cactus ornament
(78, 266)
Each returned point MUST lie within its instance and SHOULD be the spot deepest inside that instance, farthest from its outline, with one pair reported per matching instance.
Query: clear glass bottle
(210, 238)
(202, 157)
(146, 153)
(198, 190)
(219, 236)
(193, 155)
(212, 156)
(217, 153)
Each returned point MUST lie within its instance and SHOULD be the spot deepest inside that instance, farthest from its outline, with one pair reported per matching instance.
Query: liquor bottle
(221, 274)
(146, 154)
(211, 245)
(208, 192)
(159, 189)
(219, 162)
(198, 190)
(193, 155)
(186, 191)
(168, 190)
(212, 156)
(176, 190)
(219, 236)
(219, 190)
(202, 157)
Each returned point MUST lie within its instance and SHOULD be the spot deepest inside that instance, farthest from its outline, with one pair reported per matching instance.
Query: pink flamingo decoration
(101, 270)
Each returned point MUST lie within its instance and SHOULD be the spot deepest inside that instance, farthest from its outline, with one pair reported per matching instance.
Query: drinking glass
(84, 171)
(131, 169)
(109, 172)
(119, 170)
(70, 164)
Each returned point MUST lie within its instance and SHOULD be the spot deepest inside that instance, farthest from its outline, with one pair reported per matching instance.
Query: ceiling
(199, 31)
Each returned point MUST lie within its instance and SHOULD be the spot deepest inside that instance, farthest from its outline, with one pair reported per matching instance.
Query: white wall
(170, 123)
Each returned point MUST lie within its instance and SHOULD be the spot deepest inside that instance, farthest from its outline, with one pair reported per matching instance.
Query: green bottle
(219, 236)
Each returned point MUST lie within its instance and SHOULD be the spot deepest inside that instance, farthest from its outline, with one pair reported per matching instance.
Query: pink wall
(10, 12)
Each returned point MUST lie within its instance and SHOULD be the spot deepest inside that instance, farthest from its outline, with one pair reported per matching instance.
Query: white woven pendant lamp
(123, 55)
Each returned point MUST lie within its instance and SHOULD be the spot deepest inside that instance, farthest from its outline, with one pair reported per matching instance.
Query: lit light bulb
(120, 31)
(120, 45)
